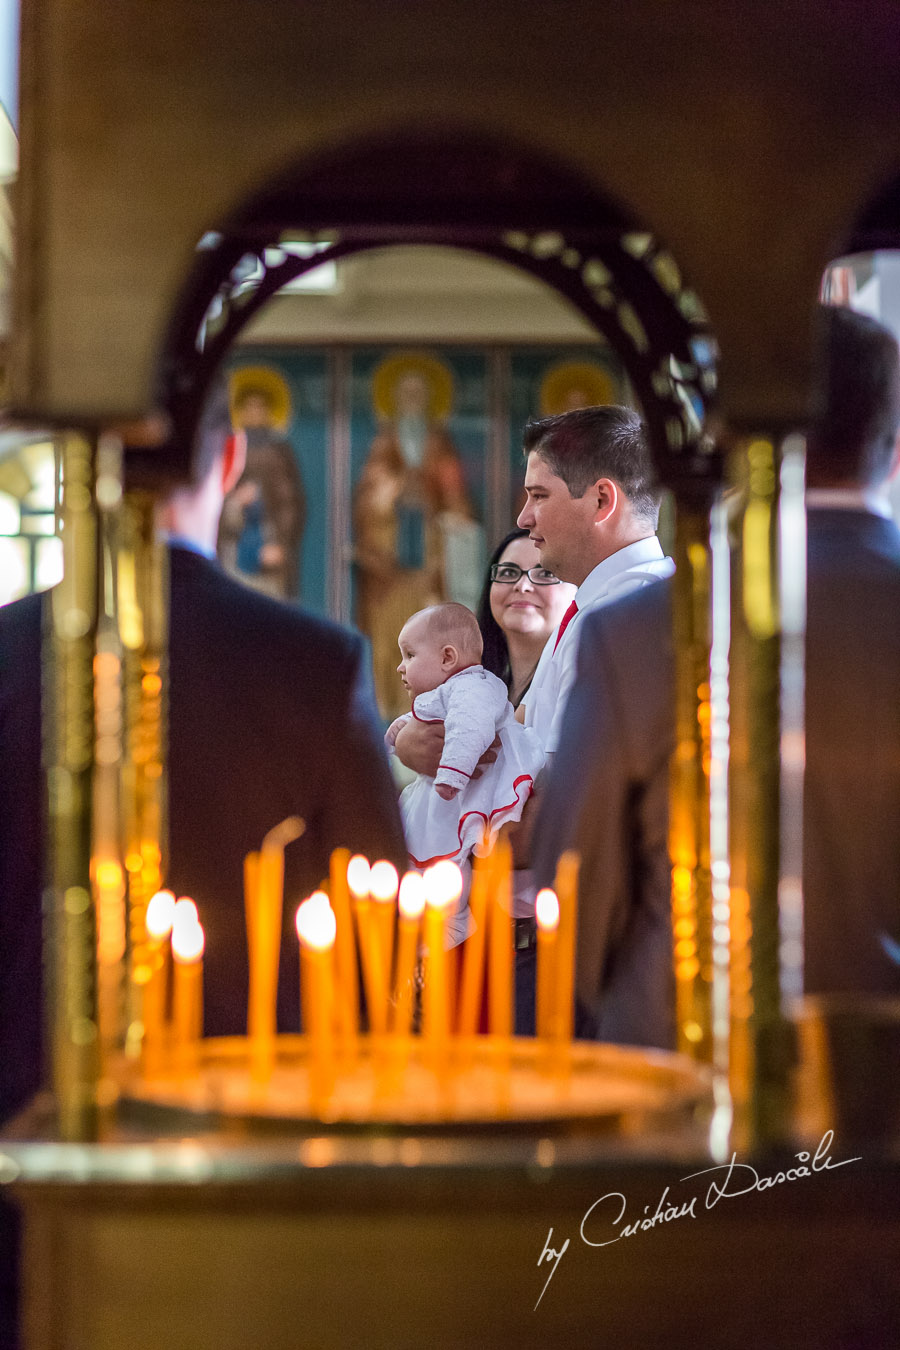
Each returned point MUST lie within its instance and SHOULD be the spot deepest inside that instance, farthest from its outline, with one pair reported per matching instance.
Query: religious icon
(568, 385)
(263, 517)
(415, 534)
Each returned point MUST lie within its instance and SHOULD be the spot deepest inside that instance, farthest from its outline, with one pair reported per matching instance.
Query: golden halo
(260, 380)
(436, 375)
(575, 384)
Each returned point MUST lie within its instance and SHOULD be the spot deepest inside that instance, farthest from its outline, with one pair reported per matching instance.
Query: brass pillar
(689, 837)
(68, 705)
(765, 660)
(142, 606)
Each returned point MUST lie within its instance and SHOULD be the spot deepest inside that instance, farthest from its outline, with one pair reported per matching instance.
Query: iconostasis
(379, 477)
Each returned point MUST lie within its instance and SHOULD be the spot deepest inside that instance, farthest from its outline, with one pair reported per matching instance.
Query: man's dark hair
(603, 442)
(213, 430)
(856, 403)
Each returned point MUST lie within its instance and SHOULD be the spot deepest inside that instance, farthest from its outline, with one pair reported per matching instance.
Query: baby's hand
(446, 791)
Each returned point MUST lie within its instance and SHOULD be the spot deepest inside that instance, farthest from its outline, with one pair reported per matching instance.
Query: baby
(446, 816)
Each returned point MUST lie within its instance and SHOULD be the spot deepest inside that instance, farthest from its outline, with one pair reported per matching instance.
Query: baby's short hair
(454, 623)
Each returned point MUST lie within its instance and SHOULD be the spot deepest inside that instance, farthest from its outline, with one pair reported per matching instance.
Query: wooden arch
(469, 192)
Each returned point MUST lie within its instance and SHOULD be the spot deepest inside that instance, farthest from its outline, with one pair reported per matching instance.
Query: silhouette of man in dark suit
(271, 714)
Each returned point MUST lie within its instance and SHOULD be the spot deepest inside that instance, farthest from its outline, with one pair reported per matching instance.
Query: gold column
(71, 959)
(108, 872)
(142, 603)
(689, 836)
(761, 1040)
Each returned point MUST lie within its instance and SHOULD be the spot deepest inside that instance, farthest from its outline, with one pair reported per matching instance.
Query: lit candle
(567, 891)
(383, 881)
(316, 930)
(546, 911)
(411, 904)
(185, 915)
(443, 887)
(474, 947)
(347, 1000)
(187, 1003)
(358, 877)
(158, 922)
(500, 944)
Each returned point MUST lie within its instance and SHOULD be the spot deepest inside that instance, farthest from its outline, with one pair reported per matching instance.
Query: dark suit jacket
(608, 789)
(851, 857)
(607, 796)
(271, 714)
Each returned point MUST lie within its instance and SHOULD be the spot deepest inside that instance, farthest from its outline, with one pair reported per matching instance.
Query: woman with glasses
(520, 606)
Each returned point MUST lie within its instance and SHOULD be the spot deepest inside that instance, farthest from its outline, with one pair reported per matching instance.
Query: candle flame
(108, 874)
(160, 914)
(443, 885)
(316, 924)
(358, 872)
(546, 909)
(188, 941)
(383, 881)
(185, 912)
(412, 895)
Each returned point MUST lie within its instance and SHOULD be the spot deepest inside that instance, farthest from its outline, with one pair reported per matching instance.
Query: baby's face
(420, 666)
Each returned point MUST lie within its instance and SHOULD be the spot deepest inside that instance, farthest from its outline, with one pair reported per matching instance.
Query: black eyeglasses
(507, 574)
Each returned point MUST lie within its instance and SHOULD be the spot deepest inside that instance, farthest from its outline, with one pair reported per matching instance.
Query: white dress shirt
(636, 565)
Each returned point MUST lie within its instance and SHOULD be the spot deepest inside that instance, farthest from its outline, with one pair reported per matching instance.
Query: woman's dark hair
(495, 657)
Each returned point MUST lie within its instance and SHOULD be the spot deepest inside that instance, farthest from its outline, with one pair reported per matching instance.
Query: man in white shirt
(609, 787)
(592, 511)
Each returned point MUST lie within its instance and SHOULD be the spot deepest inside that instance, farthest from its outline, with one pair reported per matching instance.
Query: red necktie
(566, 620)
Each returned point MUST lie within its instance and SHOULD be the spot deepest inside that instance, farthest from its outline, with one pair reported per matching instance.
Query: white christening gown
(474, 707)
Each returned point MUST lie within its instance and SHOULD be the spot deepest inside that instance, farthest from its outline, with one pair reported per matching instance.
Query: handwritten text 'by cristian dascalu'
(603, 1224)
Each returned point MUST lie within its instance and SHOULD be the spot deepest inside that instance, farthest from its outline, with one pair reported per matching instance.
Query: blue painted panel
(305, 372)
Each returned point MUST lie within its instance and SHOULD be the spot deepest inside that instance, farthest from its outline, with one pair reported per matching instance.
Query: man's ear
(605, 493)
(234, 459)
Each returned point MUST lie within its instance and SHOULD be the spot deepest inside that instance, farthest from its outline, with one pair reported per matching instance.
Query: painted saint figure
(416, 539)
(263, 519)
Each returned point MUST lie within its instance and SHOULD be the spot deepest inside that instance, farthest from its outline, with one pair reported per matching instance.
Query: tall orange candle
(501, 945)
(546, 910)
(158, 922)
(347, 991)
(475, 946)
(264, 903)
(567, 892)
(316, 930)
(383, 882)
(187, 1002)
(411, 905)
(443, 887)
(358, 875)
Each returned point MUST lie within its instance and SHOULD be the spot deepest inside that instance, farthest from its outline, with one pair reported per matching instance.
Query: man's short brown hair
(603, 442)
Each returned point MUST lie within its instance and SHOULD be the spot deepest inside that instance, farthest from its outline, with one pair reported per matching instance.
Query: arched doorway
(452, 189)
